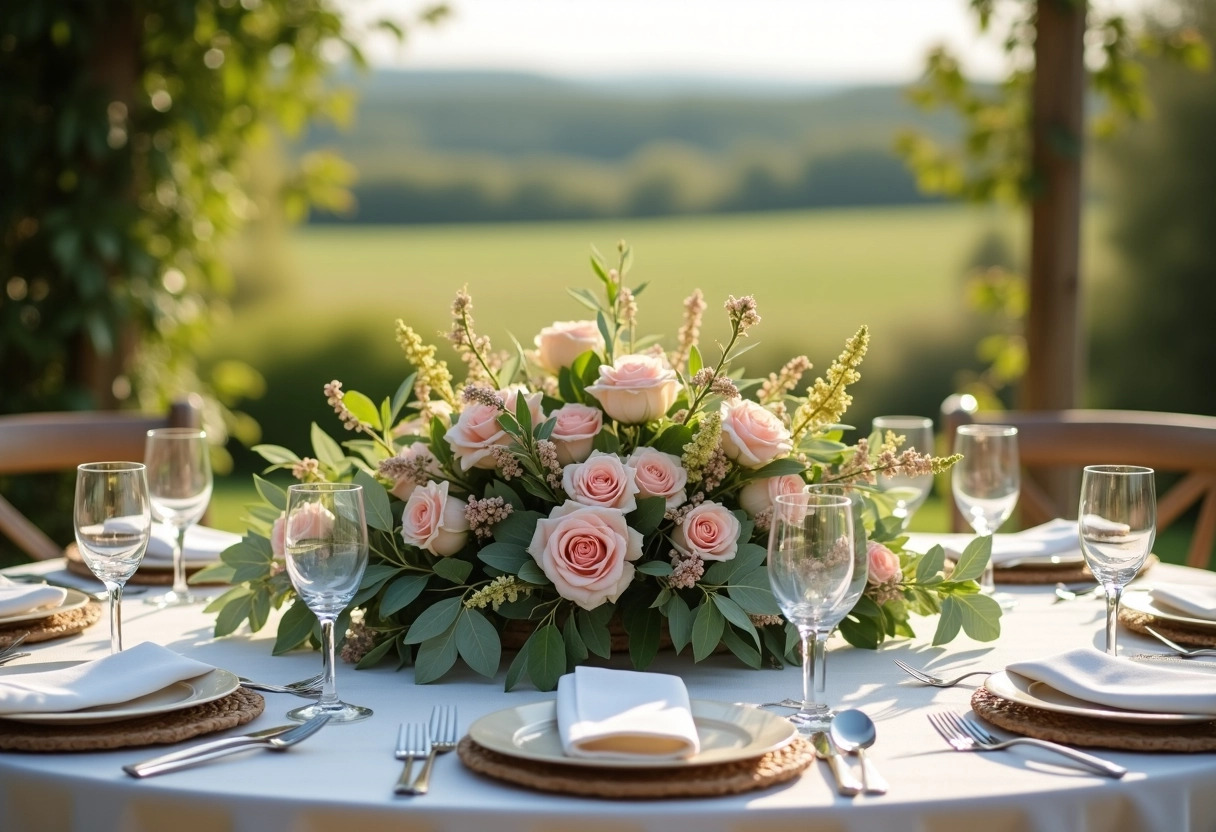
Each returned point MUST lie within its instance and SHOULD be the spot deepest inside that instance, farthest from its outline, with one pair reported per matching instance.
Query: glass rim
(985, 429)
(112, 466)
(323, 487)
(1127, 470)
(812, 499)
(175, 433)
(907, 421)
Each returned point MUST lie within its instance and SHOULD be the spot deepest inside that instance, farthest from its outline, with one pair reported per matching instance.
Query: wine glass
(325, 541)
(810, 568)
(909, 492)
(179, 485)
(112, 521)
(1117, 523)
(986, 481)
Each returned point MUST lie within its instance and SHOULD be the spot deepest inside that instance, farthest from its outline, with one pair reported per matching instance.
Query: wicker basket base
(59, 625)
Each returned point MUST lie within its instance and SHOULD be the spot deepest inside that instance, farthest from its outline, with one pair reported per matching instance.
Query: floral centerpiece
(598, 481)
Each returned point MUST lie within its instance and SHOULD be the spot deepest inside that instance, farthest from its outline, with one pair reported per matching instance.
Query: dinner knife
(847, 783)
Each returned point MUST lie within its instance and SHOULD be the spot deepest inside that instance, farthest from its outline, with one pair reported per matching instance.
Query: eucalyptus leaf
(295, 626)
(531, 573)
(270, 492)
(375, 503)
(644, 626)
(517, 528)
(734, 613)
(648, 515)
(508, 557)
(373, 657)
(595, 633)
(327, 450)
(436, 656)
(971, 563)
(276, 454)
(707, 626)
(519, 664)
(362, 408)
(930, 564)
(746, 653)
(454, 570)
(679, 622)
(546, 657)
(754, 593)
(478, 643)
(658, 568)
(576, 648)
(435, 619)
(401, 593)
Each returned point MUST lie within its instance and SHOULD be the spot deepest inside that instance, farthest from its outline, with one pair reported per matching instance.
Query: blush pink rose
(603, 480)
(758, 495)
(659, 475)
(709, 531)
(575, 430)
(586, 552)
(418, 426)
(883, 564)
(751, 435)
(278, 534)
(434, 520)
(477, 430)
(560, 343)
(411, 453)
(635, 388)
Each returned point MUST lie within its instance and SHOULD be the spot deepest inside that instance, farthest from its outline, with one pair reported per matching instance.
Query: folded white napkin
(1197, 601)
(1051, 539)
(622, 714)
(1091, 675)
(17, 598)
(138, 671)
(203, 544)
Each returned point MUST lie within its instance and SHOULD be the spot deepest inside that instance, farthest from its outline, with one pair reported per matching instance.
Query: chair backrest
(1071, 439)
(47, 442)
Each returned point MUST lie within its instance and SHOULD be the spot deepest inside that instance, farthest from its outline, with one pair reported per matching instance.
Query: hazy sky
(793, 40)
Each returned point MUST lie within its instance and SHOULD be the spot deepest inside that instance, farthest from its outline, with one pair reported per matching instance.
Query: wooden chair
(1179, 443)
(47, 442)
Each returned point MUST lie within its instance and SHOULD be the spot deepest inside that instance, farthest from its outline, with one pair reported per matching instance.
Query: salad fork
(303, 687)
(1179, 649)
(276, 739)
(443, 738)
(413, 741)
(937, 681)
(962, 734)
(9, 649)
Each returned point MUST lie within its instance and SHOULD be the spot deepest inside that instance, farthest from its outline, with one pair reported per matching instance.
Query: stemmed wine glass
(810, 568)
(112, 521)
(986, 481)
(325, 541)
(910, 492)
(1117, 524)
(179, 484)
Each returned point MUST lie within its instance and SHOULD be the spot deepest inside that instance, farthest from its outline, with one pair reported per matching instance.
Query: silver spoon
(854, 732)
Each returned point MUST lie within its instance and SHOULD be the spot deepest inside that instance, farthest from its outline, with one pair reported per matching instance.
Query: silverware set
(10, 652)
(1184, 652)
(962, 734)
(416, 741)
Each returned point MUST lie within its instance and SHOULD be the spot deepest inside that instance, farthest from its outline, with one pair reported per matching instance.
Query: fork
(964, 735)
(412, 741)
(443, 738)
(937, 681)
(7, 652)
(1179, 649)
(276, 739)
(304, 687)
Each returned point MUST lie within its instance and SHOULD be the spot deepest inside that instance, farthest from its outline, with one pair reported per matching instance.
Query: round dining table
(341, 779)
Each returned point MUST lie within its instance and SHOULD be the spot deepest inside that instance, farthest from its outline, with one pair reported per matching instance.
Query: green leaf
(297, 623)
(518, 665)
(981, 616)
(949, 622)
(648, 515)
(754, 593)
(533, 574)
(606, 441)
(216, 573)
(774, 642)
(673, 439)
(435, 619)
(576, 648)
(327, 450)
(930, 564)
(585, 297)
(498, 488)
(373, 656)
(748, 557)
(362, 408)
(518, 528)
(733, 613)
(695, 362)
(594, 630)
(435, 656)
(570, 386)
(679, 622)
(259, 612)
(644, 626)
(777, 468)
(233, 614)
(587, 368)
(747, 654)
(401, 593)
(707, 627)
(508, 557)
(478, 643)
(453, 570)
(546, 657)
(658, 568)
(375, 502)
(400, 398)
(270, 492)
(971, 563)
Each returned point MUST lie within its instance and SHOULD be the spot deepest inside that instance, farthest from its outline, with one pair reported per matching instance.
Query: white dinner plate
(74, 600)
(1025, 691)
(184, 694)
(1143, 602)
(727, 731)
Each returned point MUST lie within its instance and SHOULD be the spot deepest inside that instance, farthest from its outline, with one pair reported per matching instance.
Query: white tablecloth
(342, 778)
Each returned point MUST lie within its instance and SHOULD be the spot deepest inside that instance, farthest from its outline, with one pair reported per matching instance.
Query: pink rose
(575, 430)
(603, 480)
(585, 551)
(477, 430)
(278, 545)
(635, 388)
(751, 435)
(883, 564)
(709, 531)
(659, 475)
(420, 426)
(559, 344)
(758, 495)
(409, 455)
(309, 520)
(434, 521)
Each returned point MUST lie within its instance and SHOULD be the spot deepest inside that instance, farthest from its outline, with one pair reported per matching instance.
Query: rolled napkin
(135, 672)
(625, 715)
(1089, 674)
(17, 598)
(1043, 542)
(1197, 601)
(203, 544)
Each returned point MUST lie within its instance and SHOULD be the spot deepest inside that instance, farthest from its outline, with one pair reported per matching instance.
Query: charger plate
(1182, 633)
(1019, 689)
(1144, 603)
(145, 575)
(59, 625)
(728, 732)
(187, 693)
(73, 600)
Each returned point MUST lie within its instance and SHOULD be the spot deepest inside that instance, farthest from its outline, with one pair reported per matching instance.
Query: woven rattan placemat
(53, 626)
(1069, 574)
(610, 783)
(144, 576)
(237, 708)
(1095, 733)
(1181, 633)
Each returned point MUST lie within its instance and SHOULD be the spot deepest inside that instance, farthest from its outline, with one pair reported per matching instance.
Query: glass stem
(115, 591)
(988, 579)
(179, 564)
(812, 672)
(819, 644)
(329, 687)
(1114, 592)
